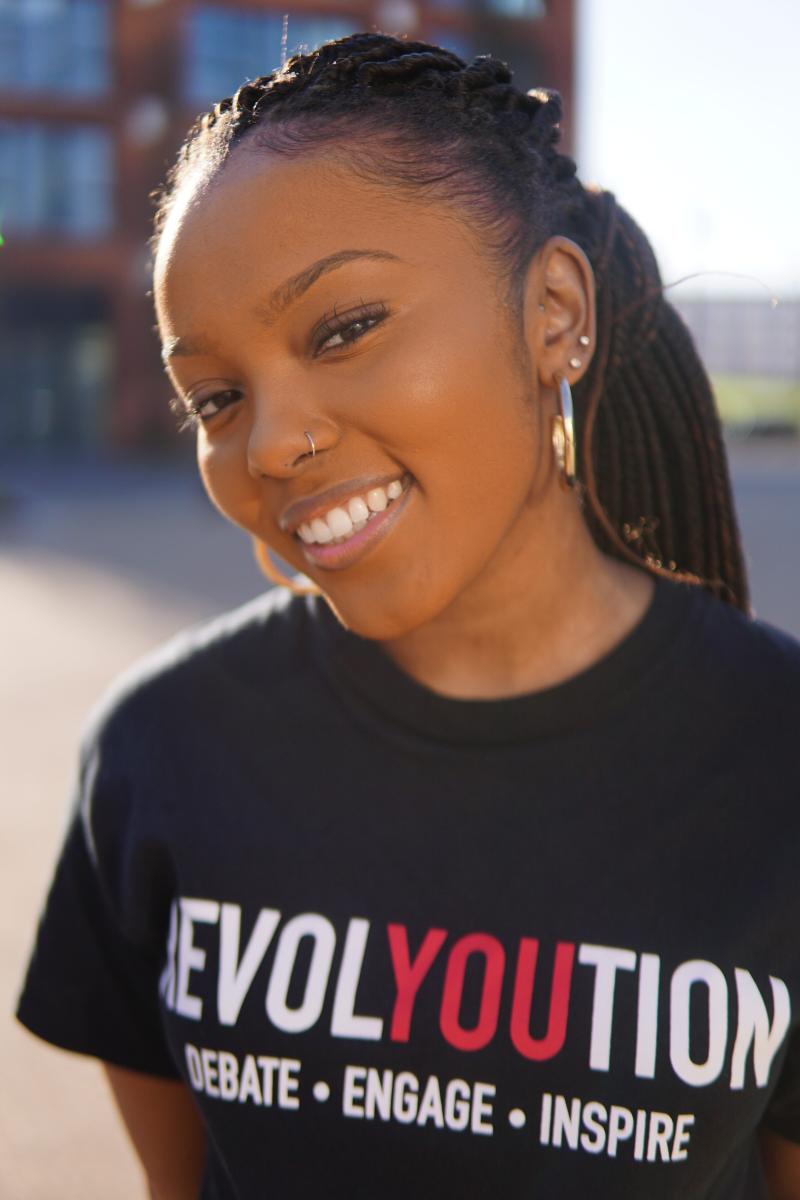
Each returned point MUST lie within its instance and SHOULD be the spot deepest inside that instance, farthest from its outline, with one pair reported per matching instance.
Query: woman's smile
(336, 535)
(332, 551)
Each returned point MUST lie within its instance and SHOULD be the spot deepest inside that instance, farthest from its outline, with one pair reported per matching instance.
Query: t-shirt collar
(363, 670)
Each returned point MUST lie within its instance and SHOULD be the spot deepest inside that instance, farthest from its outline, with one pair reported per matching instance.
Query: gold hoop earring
(274, 575)
(564, 436)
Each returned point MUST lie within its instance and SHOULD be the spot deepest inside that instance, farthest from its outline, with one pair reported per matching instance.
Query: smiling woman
(412, 885)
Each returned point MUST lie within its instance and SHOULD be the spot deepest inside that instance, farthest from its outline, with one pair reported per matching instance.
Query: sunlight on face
(389, 346)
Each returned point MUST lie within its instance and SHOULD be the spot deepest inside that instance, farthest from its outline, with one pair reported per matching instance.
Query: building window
(226, 46)
(516, 8)
(58, 362)
(60, 45)
(55, 179)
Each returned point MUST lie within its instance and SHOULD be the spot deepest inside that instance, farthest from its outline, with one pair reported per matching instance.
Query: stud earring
(564, 436)
(584, 339)
(574, 363)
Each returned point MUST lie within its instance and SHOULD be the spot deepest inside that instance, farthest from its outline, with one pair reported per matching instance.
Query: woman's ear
(559, 311)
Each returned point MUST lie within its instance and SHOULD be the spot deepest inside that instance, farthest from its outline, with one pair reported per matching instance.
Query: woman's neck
(529, 623)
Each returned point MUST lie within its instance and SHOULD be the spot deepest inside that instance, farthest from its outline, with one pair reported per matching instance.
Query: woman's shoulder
(261, 644)
(743, 661)
(779, 649)
(755, 644)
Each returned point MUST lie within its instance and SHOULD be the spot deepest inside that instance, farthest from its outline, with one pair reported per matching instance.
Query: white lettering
(249, 1087)
(288, 1083)
(209, 1061)
(544, 1121)
(235, 977)
(191, 957)
(344, 1022)
(353, 1092)
(430, 1106)
(617, 1131)
(647, 1019)
(661, 1126)
(297, 1020)
(754, 1029)
(620, 1127)
(379, 1094)
(456, 1105)
(641, 1127)
(482, 1108)
(370, 1093)
(193, 1066)
(269, 1066)
(220, 1074)
(606, 960)
(228, 1075)
(404, 1101)
(686, 976)
(594, 1115)
(166, 984)
(566, 1121)
(679, 1152)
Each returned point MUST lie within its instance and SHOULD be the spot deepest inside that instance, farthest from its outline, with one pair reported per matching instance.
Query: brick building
(95, 97)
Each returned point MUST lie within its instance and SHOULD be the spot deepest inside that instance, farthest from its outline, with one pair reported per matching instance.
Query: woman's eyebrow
(280, 298)
(292, 289)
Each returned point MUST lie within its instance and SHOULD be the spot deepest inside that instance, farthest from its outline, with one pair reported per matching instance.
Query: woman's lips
(336, 556)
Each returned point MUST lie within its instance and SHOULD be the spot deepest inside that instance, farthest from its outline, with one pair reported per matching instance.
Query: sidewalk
(94, 571)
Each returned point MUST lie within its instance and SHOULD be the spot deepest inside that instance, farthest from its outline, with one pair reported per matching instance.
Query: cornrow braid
(652, 470)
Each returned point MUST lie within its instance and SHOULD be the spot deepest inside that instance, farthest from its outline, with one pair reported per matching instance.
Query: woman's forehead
(263, 218)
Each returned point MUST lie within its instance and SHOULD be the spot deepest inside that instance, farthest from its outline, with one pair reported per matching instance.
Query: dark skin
(441, 383)
(435, 389)
(166, 1131)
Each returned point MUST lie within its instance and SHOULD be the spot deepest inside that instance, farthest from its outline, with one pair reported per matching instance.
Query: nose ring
(311, 443)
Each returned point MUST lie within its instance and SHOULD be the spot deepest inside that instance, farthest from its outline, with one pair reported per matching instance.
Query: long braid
(653, 474)
(678, 507)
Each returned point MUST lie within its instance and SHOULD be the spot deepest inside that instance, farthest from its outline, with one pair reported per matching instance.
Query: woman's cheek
(406, 392)
(230, 486)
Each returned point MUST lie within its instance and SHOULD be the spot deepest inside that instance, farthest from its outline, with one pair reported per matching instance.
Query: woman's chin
(375, 627)
(377, 622)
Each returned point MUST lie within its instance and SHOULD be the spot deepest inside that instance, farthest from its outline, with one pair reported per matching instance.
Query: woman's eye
(339, 331)
(209, 406)
(334, 334)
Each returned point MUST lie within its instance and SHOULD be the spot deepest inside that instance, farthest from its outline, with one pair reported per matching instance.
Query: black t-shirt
(398, 944)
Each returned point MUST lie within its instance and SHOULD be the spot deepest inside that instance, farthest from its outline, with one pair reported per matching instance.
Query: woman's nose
(281, 445)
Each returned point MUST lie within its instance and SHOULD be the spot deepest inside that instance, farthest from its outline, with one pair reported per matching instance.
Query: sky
(689, 111)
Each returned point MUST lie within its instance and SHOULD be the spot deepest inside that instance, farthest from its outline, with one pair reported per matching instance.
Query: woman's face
(294, 297)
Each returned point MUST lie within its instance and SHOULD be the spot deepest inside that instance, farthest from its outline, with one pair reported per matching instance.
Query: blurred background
(687, 110)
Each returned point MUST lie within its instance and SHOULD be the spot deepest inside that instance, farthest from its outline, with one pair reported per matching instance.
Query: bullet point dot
(516, 1118)
(321, 1090)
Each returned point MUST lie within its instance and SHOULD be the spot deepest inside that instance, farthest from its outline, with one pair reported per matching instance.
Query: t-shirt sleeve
(782, 1114)
(92, 982)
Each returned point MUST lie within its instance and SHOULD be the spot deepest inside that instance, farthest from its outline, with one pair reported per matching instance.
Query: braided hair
(652, 470)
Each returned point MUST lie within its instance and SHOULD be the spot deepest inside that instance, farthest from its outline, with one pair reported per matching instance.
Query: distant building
(748, 336)
(95, 97)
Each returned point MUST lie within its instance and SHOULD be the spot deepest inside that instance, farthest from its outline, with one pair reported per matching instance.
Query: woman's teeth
(341, 523)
